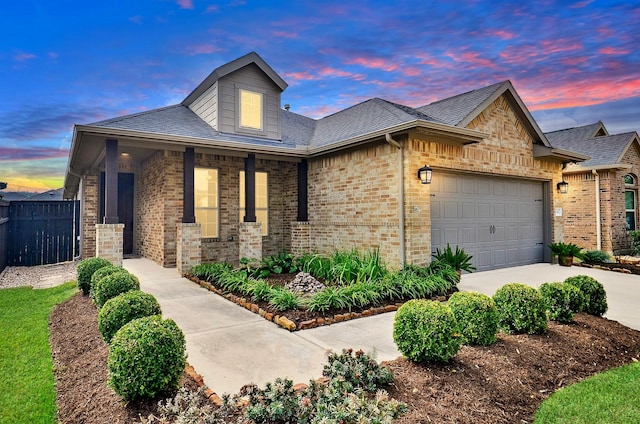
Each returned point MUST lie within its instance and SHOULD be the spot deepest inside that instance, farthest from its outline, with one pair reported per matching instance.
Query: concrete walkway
(230, 346)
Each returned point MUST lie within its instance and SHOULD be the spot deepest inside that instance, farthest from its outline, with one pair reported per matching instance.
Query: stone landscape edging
(285, 322)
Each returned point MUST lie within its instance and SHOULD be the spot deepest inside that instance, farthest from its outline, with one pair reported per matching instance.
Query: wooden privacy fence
(43, 232)
(4, 233)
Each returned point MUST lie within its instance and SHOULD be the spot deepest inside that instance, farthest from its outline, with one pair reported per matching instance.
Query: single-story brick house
(229, 173)
(601, 204)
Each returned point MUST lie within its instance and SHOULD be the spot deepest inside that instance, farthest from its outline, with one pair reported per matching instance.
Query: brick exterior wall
(580, 206)
(353, 196)
(250, 240)
(109, 242)
(282, 206)
(89, 215)
(188, 246)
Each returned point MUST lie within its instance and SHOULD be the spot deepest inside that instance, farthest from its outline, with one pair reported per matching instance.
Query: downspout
(393, 142)
(598, 223)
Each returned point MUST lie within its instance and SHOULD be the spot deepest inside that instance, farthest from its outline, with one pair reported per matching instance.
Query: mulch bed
(611, 266)
(501, 383)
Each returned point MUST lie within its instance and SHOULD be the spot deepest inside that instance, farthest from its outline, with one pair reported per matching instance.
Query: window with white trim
(262, 200)
(630, 201)
(251, 109)
(206, 199)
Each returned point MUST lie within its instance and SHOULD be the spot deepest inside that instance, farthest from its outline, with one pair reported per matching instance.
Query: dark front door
(125, 208)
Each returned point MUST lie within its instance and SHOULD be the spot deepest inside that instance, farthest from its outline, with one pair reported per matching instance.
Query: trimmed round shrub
(477, 317)
(103, 272)
(426, 331)
(521, 309)
(124, 308)
(595, 296)
(563, 300)
(85, 271)
(146, 358)
(112, 285)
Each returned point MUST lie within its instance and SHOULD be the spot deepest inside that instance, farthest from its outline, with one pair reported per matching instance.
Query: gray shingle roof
(181, 121)
(569, 136)
(604, 151)
(454, 109)
(363, 118)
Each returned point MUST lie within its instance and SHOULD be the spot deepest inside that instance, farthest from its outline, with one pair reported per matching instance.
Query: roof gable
(605, 151)
(460, 110)
(231, 67)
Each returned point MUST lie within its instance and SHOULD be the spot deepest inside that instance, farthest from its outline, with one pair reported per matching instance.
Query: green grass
(612, 397)
(26, 367)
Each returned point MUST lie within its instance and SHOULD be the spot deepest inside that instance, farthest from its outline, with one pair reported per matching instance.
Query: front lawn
(26, 367)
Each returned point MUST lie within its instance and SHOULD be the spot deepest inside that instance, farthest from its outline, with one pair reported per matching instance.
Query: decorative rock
(286, 323)
(311, 323)
(305, 283)
(391, 308)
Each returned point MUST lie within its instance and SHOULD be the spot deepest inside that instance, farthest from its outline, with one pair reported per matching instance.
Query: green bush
(124, 308)
(593, 256)
(146, 358)
(103, 272)
(211, 272)
(635, 242)
(563, 300)
(477, 317)
(112, 285)
(85, 271)
(521, 309)
(283, 299)
(426, 330)
(595, 302)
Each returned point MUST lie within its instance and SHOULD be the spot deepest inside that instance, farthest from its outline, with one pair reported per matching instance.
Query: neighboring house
(228, 173)
(602, 197)
(50, 195)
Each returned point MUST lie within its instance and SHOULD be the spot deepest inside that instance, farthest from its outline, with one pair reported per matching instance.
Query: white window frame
(205, 226)
(631, 187)
(262, 205)
(248, 129)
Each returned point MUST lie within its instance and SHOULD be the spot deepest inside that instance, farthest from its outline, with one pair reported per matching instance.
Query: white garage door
(497, 220)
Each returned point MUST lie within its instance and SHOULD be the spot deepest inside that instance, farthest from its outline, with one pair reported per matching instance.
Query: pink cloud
(53, 55)
(613, 51)
(136, 19)
(328, 71)
(21, 57)
(501, 34)
(561, 45)
(375, 63)
(581, 4)
(198, 49)
(185, 4)
(212, 8)
(574, 61)
(301, 76)
(411, 71)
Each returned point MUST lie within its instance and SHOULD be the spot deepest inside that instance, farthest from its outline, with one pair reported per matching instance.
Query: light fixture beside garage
(563, 187)
(424, 174)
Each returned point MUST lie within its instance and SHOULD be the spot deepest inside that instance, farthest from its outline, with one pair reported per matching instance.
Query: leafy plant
(426, 330)
(146, 357)
(211, 272)
(124, 308)
(458, 259)
(283, 300)
(565, 250)
(563, 300)
(521, 309)
(260, 290)
(593, 256)
(327, 299)
(85, 271)
(316, 265)
(356, 370)
(635, 242)
(595, 295)
(477, 317)
(112, 285)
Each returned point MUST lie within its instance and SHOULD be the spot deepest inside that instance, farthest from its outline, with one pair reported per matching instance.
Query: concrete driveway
(230, 346)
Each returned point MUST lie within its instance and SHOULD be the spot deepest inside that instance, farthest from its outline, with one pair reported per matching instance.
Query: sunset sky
(64, 62)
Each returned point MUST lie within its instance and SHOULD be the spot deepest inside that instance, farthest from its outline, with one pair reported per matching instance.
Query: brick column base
(188, 247)
(250, 240)
(109, 240)
(300, 241)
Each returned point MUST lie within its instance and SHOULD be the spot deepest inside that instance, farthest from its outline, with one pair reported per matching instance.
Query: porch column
(109, 241)
(250, 188)
(188, 214)
(188, 249)
(111, 182)
(303, 211)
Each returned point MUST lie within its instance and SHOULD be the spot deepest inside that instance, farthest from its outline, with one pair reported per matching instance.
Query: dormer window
(251, 110)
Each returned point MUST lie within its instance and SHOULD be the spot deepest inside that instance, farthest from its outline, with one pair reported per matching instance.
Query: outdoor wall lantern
(424, 174)
(563, 187)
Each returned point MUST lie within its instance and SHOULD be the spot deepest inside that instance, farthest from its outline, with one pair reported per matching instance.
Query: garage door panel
(497, 220)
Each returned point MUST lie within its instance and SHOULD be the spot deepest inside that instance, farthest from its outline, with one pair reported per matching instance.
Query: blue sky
(66, 62)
